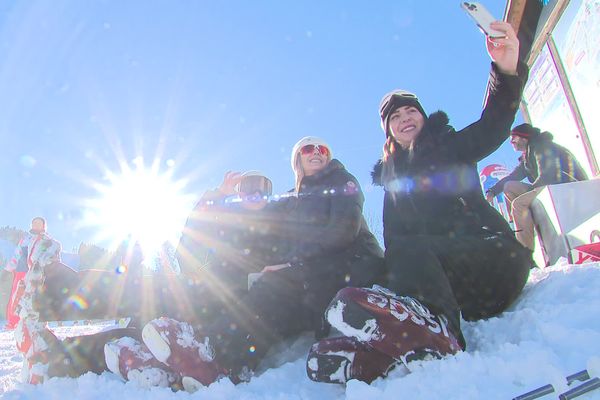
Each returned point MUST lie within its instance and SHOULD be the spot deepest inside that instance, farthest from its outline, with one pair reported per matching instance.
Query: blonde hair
(388, 170)
(298, 172)
(296, 156)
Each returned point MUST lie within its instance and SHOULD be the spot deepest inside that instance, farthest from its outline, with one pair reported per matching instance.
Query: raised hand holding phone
(501, 40)
(504, 51)
(230, 179)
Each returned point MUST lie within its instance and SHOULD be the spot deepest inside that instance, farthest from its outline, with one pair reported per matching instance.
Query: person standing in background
(448, 254)
(19, 265)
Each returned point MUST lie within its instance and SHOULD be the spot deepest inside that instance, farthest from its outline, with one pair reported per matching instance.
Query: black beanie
(395, 99)
(525, 131)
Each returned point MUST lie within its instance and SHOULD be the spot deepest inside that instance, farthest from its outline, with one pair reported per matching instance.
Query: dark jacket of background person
(332, 247)
(223, 239)
(221, 243)
(435, 216)
(544, 163)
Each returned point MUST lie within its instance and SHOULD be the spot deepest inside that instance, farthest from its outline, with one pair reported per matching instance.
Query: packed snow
(551, 332)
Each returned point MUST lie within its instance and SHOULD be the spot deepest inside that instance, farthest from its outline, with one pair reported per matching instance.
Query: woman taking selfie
(447, 251)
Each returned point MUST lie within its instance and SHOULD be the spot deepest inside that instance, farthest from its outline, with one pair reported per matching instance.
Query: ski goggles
(394, 97)
(256, 184)
(310, 149)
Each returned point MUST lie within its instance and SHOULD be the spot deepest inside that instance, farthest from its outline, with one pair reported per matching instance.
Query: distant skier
(37, 250)
(448, 252)
(43, 294)
(19, 264)
(543, 163)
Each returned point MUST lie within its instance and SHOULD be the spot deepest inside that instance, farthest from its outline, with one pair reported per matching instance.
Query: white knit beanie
(306, 141)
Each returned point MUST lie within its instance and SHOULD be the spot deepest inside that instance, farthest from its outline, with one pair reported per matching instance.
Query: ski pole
(547, 389)
(577, 391)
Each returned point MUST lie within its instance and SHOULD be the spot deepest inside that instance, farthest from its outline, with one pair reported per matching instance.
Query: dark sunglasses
(256, 184)
(310, 149)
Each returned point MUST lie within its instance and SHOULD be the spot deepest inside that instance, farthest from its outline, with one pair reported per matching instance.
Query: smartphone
(482, 18)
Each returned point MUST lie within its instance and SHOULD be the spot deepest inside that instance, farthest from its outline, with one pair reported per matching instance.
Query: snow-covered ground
(553, 331)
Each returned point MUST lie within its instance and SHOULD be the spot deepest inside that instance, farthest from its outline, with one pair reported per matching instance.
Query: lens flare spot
(252, 349)
(28, 161)
(84, 288)
(121, 269)
(78, 301)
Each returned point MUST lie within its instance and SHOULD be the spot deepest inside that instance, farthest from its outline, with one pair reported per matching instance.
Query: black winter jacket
(222, 240)
(437, 189)
(544, 163)
(328, 227)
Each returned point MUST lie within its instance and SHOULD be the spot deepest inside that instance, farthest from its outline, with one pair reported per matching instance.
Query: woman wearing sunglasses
(331, 247)
(447, 251)
(331, 240)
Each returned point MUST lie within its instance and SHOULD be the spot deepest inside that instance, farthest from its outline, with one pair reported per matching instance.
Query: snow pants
(280, 305)
(477, 276)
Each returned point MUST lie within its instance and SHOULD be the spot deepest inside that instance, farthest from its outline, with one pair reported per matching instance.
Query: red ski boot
(398, 326)
(132, 361)
(173, 343)
(339, 359)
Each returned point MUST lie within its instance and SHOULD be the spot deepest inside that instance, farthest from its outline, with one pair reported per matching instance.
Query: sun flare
(139, 205)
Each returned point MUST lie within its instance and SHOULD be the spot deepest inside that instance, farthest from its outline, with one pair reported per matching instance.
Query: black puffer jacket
(222, 240)
(437, 189)
(328, 228)
(544, 163)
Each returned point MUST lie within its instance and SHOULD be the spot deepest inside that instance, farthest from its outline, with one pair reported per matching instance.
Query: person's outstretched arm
(505, 87)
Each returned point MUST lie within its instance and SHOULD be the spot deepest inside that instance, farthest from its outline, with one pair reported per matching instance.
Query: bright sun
(140, 204)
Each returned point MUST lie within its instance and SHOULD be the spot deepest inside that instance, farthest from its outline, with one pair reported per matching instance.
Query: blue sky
(197, 88)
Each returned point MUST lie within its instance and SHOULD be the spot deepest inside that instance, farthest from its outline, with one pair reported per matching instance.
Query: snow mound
(551, 332)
